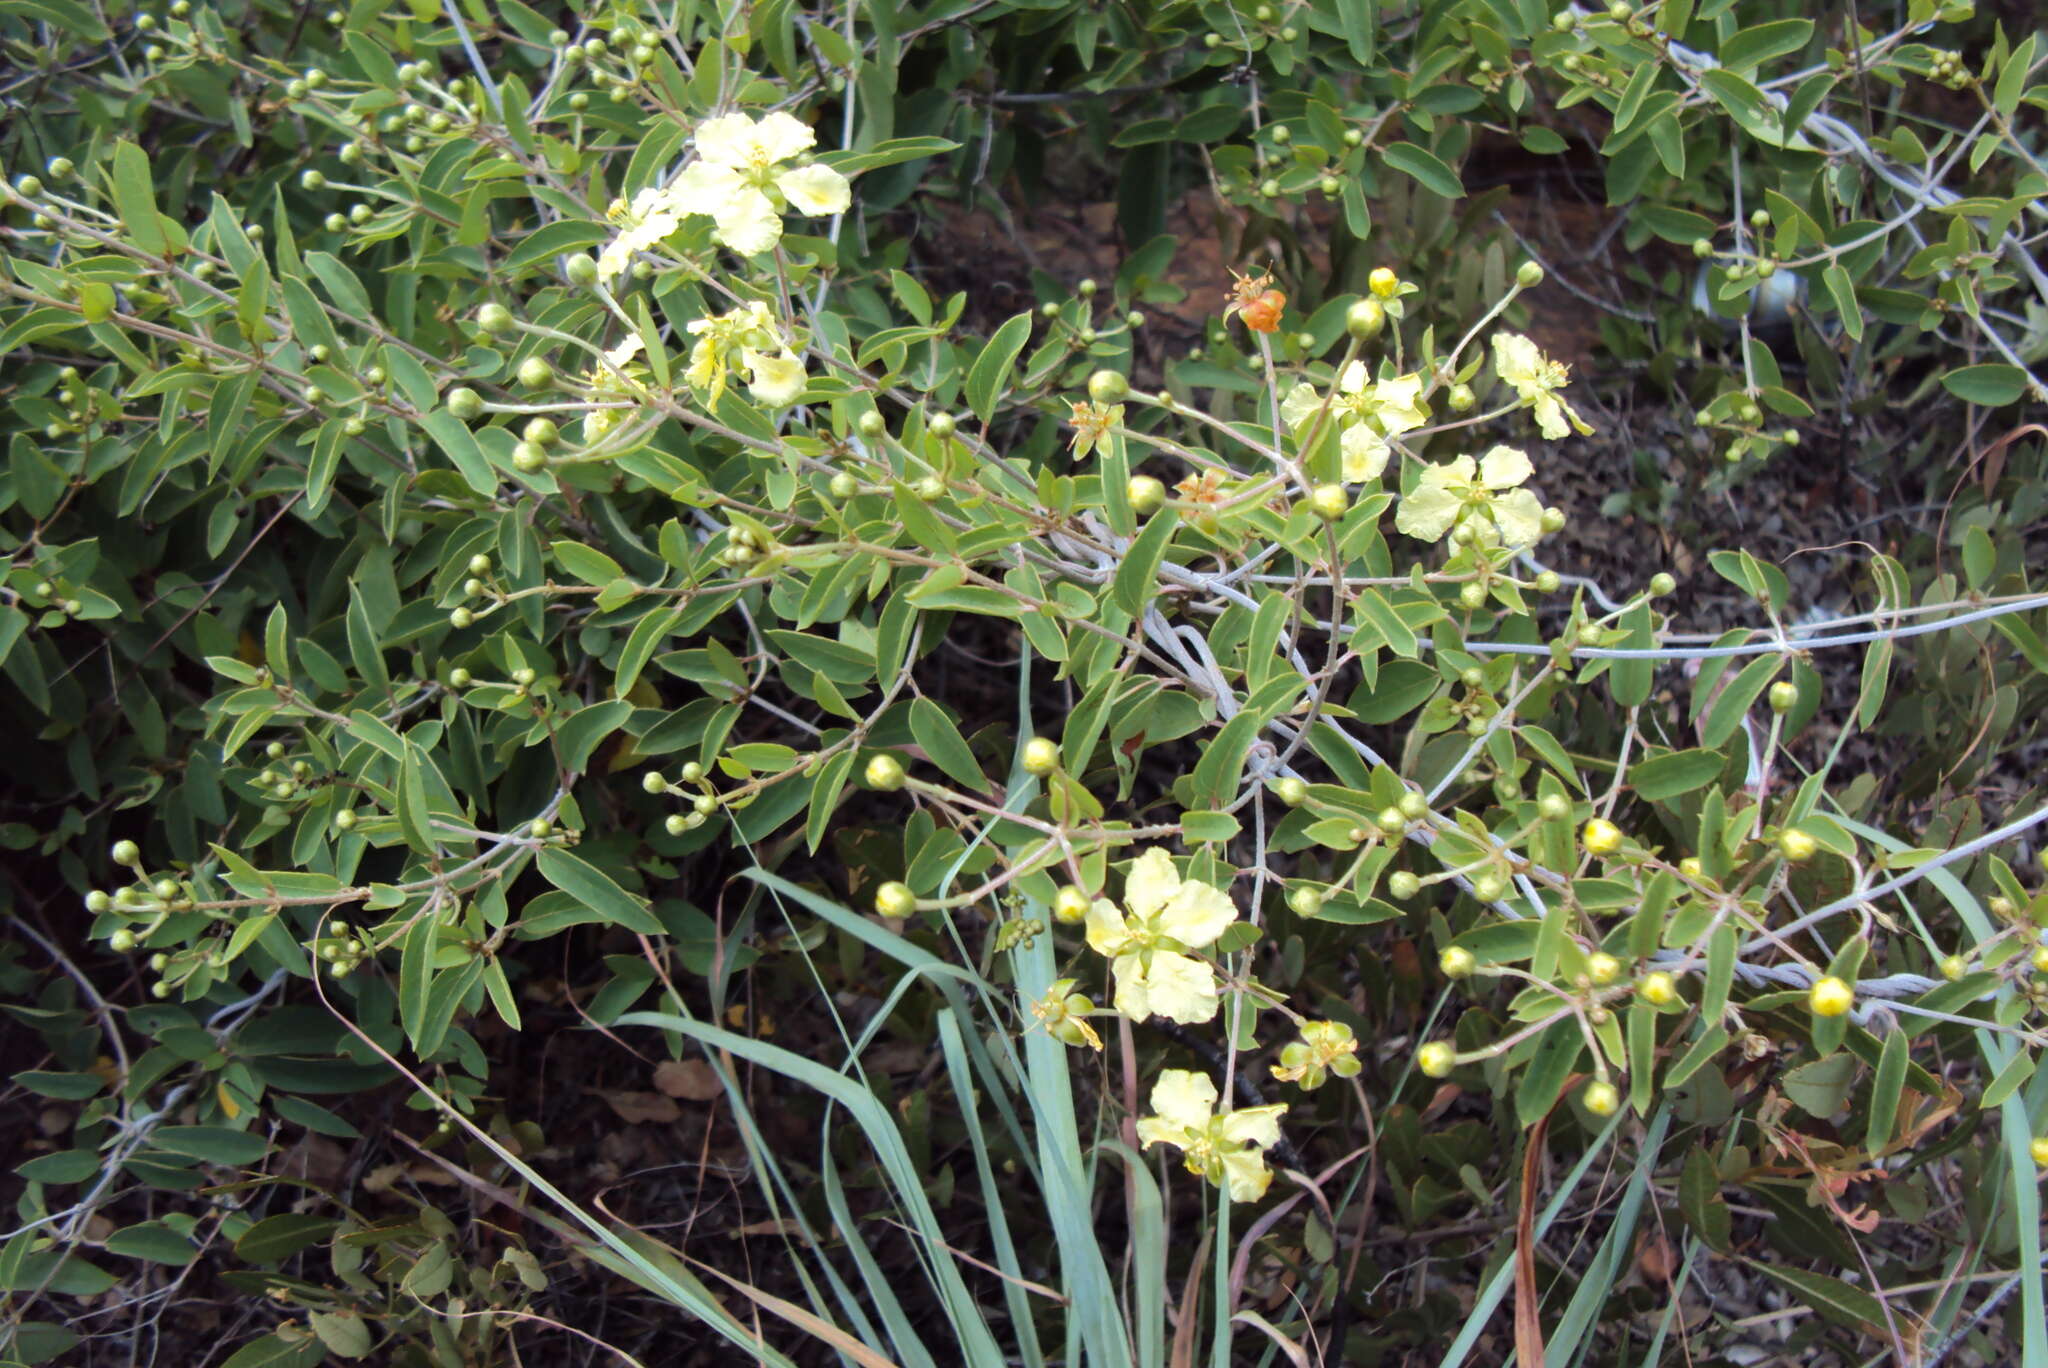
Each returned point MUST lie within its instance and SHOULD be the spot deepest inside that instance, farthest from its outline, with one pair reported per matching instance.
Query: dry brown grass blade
(1183, 1354)
(1528, 1321)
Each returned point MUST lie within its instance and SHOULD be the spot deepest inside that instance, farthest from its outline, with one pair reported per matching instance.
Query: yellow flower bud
(1600, 1097)
(1831, 997)
(1070, 905)
(1383, 282)
(1041, 756)
(1658, 989)
(1436, 1059)
(1796, 846)
(1602, 968)
(1600, 836)
(1457, 962)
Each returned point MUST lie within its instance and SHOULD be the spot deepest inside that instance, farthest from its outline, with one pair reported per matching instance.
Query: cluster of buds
(341, 950)
(702, 804)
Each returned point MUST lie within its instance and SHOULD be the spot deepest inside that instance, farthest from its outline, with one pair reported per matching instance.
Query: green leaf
(1426, 168)
(135, 198)
(456, 441)
(579, 736)
(1822, 1087)
(214, 1144)
(1203, 826)
(345, 1334)
(565, 235)
(1543, 1081)
(1830, 1296)
(1991, 386)
(1137, 578)
(413, 817)
(1675, 772)
(1759, 43)
(1725, 715)
(990, 374)
(72, 18)
(1843, 291)
(592, 887)
(1699, 1199)
(274, 1352)
(592, 567)
(274, 1239)
(1886, 1090)
(154, 1242)
(943, 742)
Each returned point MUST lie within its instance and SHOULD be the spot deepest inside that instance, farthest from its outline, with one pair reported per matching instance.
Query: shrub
(522, 522)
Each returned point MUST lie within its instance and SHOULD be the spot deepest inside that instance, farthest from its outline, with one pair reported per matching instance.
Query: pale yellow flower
(616, 380)
(1064, 1013)
(1226, 1149)
(1536, 379)
(651, 217)
(1147, 949)
(1483, 497)
(745, 337)
(1367, 413)
(738, 179)
(1325, 1048)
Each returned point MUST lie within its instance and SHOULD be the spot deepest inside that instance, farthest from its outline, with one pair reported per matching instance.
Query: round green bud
(541, 431)
(1619, 10)
(871, 426)
(1766, 268)
(333, 223)
(1329, 502)
(122, 941)
(1289, 34)
(674, 824)
(315, 396)
(1146, 495)
(1953, 967)
(1564, 21)
(312, 180)
(1108, 387)
(1353, 137)
(929, 489)
(1041, 756)
(1702, 248)
(1291, 791)
(1414, 806)
(1460, 398)
(894, 899)
(126, 853)
(1365, 319)
(535, 372)
(1330, 186)
(704, 804)
(578, 102)
(1392, 821)
(941, 425)
(1662, 584)
(528, 456)
(1281, 134)
(353, 426)
(540, 828)
(1403, 885)
(1269, 188)
(164, 889)
(294, 89)
(1472, 594)
(1784, 694)
(494, 318)
(582, 270)
(525, 676)
(843, 486)
(692, 772)
(1529, 275)
(1548, 582)
(1554, 807)
(1306, 900)
(1760, 218)
(345, 820)
(652, 782)
(60, 168)
(885, 772)
(159, 962)
(1457, 962)
(459, 678)
(1085, 289)
(1436, 1059)
(1489, 887)
(1069, 905)
(1600, 1097)
(1212, 40)
(97, 902)
(1553, 520)
(461, 618)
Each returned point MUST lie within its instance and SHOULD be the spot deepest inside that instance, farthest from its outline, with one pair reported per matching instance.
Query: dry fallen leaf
(636, 1107)
(691, 1078)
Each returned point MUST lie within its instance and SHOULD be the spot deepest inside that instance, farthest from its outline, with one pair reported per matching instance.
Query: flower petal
(1245, 1175)
(1299, 406)
(1365, 454)
(1184, 1097)
(1428, 511)
(1152, 881)
(781, 136)
(1107, 931)
(816, 191)
(1252, 1125)
(778, 380)
(1504, 467)
(729, 140)
(705, 187)
(1518, 362)
(749, 224)
(1354, 378)
(1550, 416)
(1519, 517)
(1133, 994)
(1398, 405)
(1179, 988)
(1197, 914)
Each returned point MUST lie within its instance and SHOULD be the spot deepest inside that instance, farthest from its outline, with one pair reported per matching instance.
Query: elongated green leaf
(135, 198)
(594, 888)
(990, 373)
(1137, 578)
(1426, 167)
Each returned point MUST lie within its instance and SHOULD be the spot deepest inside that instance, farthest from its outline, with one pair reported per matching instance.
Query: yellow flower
(1367, 413)
(651, 217)
(738, 179)
(1091, 423)
(1483, 497)
(615, 380)
(746, 335)
(1536, 378)
(1226, 1149)
(1325, 1047)
(1148, 949)
(1064, 1014)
